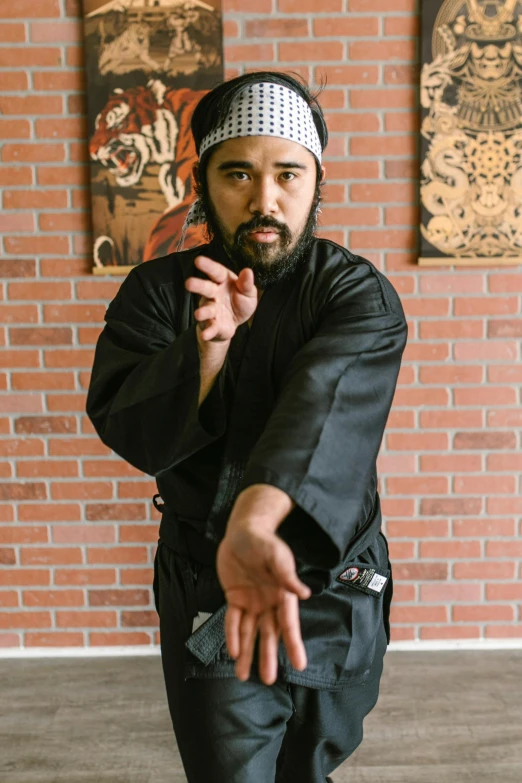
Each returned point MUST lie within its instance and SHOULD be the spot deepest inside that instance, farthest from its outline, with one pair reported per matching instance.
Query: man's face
(261, 198)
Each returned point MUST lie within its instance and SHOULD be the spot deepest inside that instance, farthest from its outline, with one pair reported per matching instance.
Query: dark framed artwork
(148, 64)
(471, 145)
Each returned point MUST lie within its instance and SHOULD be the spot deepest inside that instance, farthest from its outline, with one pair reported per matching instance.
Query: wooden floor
(441, 717)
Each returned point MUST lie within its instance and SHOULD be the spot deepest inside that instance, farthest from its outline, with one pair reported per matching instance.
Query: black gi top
(301, 403)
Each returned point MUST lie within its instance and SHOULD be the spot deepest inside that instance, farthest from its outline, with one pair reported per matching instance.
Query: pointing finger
(245, 282)
(290, 625)
(203, 287)
(217, 272)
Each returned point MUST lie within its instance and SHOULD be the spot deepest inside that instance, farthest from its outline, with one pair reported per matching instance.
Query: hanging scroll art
(471, 97)
(148, 64)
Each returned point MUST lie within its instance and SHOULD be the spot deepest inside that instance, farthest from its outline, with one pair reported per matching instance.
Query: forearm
(261, 505)
(212, 357)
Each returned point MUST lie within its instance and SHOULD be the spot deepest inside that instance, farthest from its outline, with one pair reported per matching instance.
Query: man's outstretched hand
(227, 300)
(257, 571)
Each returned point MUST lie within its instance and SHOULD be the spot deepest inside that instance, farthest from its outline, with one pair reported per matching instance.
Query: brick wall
(77, 528)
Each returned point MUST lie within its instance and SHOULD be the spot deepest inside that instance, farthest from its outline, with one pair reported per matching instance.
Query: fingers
(282, 566)
(268, 645)
(247, 638)
(205, 313)
(232, 621)
(290, 625)
(206, 288)
(245, 282)
(217, 272)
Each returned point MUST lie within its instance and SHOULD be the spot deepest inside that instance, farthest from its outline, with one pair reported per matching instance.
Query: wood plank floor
(441, 717)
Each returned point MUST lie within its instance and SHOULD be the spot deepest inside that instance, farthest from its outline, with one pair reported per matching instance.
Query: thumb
(282, 566)
(245, 282)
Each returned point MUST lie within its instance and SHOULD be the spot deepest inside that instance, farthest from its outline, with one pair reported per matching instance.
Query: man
(253, 377)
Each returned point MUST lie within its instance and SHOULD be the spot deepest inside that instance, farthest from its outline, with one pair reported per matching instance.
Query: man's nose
(264, 197)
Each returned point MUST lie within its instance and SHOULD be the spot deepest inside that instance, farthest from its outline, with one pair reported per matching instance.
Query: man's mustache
(265, 221)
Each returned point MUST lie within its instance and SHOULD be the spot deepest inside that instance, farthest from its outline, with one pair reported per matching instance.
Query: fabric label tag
(200, 618)
(368, 580)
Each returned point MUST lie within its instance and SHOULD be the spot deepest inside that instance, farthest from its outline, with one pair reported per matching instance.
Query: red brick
(348, 74)
(75, 56)
(489, 305)
(376, 239)
(62, 175)
(25, 490)
(451, 507)
(7, 556)
(505, 373)
(35, 199)
(115, 511)
(450, 463)
(138, 534)
(410, 485)
(65, 447)
(450, 550)
(230, 29)
(313, 50)
(357, 169)
(484, 527)
(451, 592)
(504, 462)
(35, 468)
(418, 397)
(486, 351)
(484, 570)
(74, 313)
(81, 198)
(504, 592)
(136, 576)
(15, 81)
(32, 104)
(15, 129)
(71, 221)
(407, 572)
(463, 283)
(22, 534)
(504, 418)
(390, 98)
(337, 147)
(59, 81)
(511, 549)
(9, 599)
(118, 638)
(42, 380)
(64, 128)
(404, 284)
(400, 634)
(353, 123)
(451, 374)
(503, 631)
(117, 555)
(53, 639)
(505, 283)
(28, 9)
(485, 440)
(56, 32)
(109, 467)
(419, 614)
(25, 246)
(491, 395)
(451, 330)
(25, 619)
(505, 328)
(483, 613)
(396, 463)
(350, 216)
(86, 490)
(25, 576)
(49, 512)
(417, 441)
(382, 50)
(30, 56)
(405, 121)
(402, 74)
(44, 424)
(401, 550)
(401, 169)
(136, 489)
(51, 556)
(402, 25)
(18, 447)
(504, 505)
(84, 534)
(18, 313)
(451, 419)
(85, 619)
(53, 598)
(66, 403)
(12, 33)
(372, 193)
(21, 221)
(41, 336)
(450, 632)
(119, 597)
(87, 576)
(428, 528)
(304, 6)
(15, 175)
(130, 619)
(350, 26)
(250, 53)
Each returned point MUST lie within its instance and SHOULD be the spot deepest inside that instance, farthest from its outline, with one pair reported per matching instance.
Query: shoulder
(342, 275)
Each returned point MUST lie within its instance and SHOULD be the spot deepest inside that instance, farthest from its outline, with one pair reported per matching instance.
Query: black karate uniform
(301, 403)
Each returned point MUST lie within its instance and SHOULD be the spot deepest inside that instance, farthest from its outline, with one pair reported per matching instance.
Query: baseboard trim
(435, 645)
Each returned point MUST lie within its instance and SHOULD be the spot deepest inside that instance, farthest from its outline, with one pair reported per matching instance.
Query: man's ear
(323, 174)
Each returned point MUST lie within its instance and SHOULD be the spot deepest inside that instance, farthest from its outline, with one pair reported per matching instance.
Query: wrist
(262, 507)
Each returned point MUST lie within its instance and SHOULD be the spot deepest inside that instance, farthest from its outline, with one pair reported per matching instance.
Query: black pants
(230, 731)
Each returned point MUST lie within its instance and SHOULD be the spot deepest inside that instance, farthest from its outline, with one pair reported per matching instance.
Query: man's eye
(239, 175)
(288, 176)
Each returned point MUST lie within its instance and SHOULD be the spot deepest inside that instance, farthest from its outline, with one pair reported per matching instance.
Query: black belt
(178, 534)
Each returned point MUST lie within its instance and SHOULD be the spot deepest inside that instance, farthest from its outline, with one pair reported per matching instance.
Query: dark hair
(214, 106)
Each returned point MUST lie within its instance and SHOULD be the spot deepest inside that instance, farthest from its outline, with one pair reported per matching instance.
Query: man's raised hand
(227, 300)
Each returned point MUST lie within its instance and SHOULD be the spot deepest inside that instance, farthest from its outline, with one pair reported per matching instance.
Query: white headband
(261, 109)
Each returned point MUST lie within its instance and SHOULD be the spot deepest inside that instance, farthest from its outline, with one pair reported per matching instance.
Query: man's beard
(269, 268)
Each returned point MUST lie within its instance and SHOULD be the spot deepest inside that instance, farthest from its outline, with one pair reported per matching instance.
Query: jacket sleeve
(321, 441)
(144, 388)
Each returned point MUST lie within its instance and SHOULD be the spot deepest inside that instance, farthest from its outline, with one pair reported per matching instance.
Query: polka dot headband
(261, 109)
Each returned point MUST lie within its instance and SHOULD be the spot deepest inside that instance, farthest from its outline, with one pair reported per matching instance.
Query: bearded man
(253, 377)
